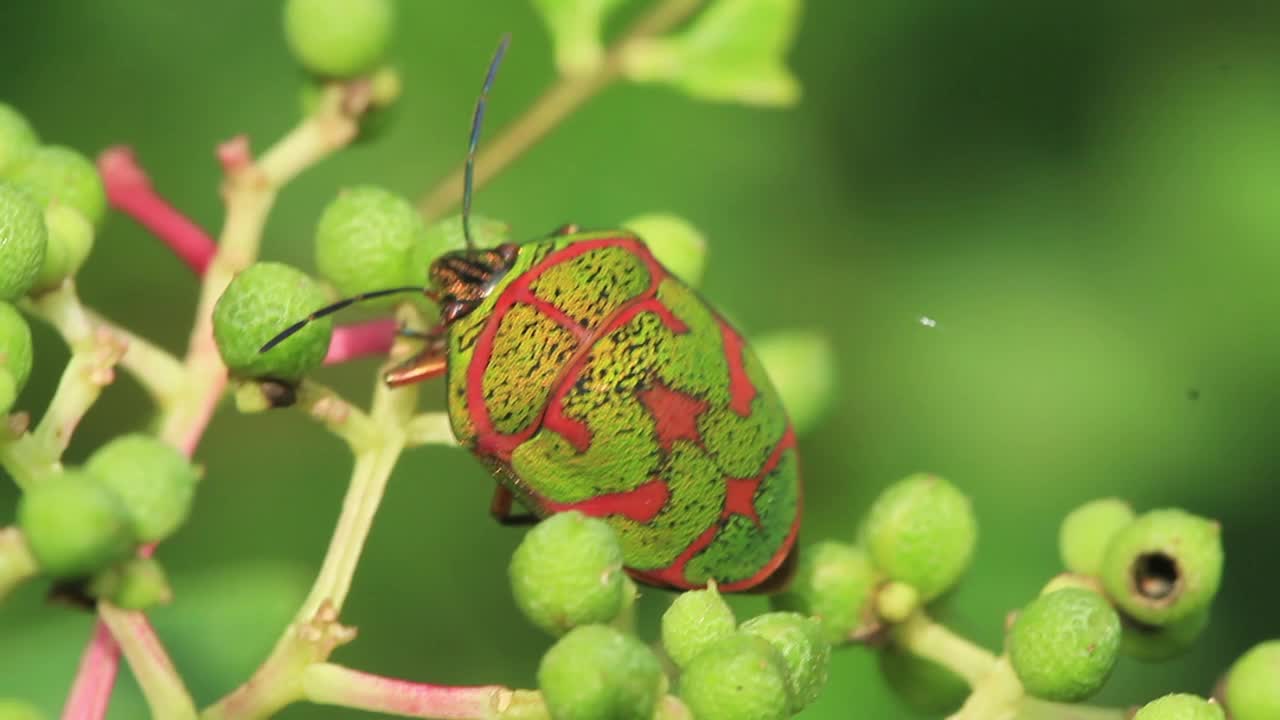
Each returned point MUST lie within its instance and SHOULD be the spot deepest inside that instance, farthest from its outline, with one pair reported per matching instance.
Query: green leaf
(576, 28)
(732, 52)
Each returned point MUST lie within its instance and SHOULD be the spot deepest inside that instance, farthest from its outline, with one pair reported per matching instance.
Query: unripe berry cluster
(84, 523)
(50, 200)
(568, 579)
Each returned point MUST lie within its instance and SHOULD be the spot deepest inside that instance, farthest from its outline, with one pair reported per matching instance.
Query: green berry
(74, 525)
(1182, 707)
(16, 137)
(339, 38)
(895, 602)
(1063, 645)
(1087, 530)
(23, 238)
(1164, 566)
(921, 531)
(1253, 684)
(446, 236)
(52, 172)
(806, 655)
(1157, 643)
(70, 239)
(363, 241)
(925, 686)
(258, 304)
(742, 677)
(14, 709)
(833, 583)
(694, 622)
(596, 671)
(155, 481)
(136, 584)
(675, 242)
(15, 345)
(568, 572)
(802, 366)
(8, 391)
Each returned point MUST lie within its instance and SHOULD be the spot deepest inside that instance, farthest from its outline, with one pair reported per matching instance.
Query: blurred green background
(1085, 196)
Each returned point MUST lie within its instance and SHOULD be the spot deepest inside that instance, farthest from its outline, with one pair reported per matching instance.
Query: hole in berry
(1156, 576)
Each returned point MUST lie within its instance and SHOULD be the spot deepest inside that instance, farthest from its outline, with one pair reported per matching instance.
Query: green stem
(1033, 709)
(16, 562)
(329, 684)
(922, 636)
(549, 110)
(163, 689)
(250, 191)
(996, 695)
(429, 429)
(94, 354)
(315, 631)
(155, 369)
(326, 406)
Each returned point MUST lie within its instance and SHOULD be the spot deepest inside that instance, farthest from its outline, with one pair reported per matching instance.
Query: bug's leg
(500, 509)
(429, 362)
(568, 229)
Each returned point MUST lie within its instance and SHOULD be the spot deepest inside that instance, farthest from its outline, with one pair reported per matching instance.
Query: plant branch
(16, 562)
(1033, 709)
(429, 429)
(921, 636)
(330, 684)
(250, 190)
(95, 677)
(549, 110)
(94, 354)
(315, 630)
(995, 695)
(156, 369)
(161, 686)
(129, 190)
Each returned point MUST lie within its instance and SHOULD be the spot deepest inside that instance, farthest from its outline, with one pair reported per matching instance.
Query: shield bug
(589, 378)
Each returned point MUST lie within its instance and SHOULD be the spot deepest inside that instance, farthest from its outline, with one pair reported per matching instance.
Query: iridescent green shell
(592, 379)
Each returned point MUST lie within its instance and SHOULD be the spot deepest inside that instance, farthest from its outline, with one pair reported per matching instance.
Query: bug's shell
(592, 379)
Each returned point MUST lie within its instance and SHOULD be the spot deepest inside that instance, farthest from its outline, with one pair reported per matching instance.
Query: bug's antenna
(477, 120)
(330, 309)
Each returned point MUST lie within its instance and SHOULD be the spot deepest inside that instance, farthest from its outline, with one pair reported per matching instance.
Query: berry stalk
(549, 110)
(129, 190)
(250, 190)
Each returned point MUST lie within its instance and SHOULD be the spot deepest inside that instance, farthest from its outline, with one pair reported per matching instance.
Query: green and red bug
(589, 378)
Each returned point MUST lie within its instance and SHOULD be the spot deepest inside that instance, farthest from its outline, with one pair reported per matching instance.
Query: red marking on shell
(575, 431)
(740, 498)
(557, 315)
(490, 442)
(641, 504)
(741, 391)
(674, 574)
(675, 414)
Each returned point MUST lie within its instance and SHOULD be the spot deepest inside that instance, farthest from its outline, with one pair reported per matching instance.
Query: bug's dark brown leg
(430, 362)
(500, 509)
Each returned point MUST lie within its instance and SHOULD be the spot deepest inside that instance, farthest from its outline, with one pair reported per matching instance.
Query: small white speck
(928, 322)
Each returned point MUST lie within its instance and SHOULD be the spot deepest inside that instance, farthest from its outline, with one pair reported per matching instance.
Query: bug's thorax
(462, 279)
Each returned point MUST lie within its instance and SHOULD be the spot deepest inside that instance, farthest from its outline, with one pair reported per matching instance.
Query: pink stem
(129, 190)
(355, 341)
(95, 678)
(336, 685)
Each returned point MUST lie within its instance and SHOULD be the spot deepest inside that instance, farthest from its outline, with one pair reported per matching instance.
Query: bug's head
(461, 279)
